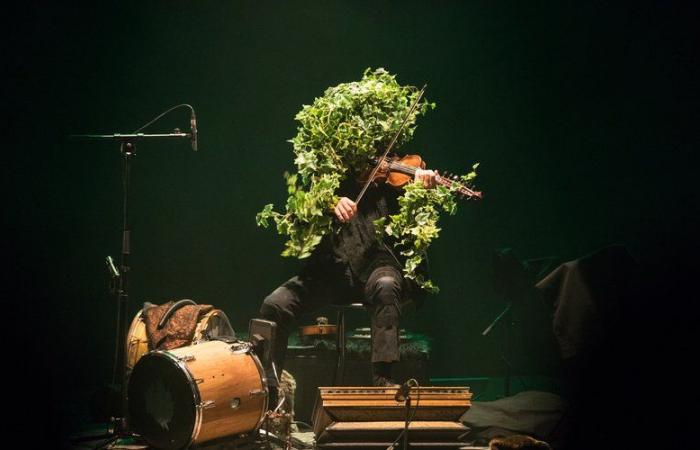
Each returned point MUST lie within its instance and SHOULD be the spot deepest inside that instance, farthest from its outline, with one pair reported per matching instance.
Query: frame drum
(194, 394)
(212, 325)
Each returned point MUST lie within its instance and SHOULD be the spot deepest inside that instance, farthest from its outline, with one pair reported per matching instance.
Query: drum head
(162, 401)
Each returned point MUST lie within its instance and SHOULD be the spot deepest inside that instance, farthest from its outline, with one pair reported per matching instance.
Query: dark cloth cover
(533, 413)
(178, 330)
(588, 296)
(574, 320)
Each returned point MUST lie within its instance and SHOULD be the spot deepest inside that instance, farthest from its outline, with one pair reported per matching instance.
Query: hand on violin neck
(427, 177)
(345, 209)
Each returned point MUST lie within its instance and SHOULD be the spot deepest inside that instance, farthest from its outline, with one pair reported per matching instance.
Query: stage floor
(300, 441)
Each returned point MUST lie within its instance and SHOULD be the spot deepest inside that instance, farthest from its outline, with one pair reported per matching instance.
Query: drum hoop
(263, 382)
(132, 327)
(194, 388)
(204, 321)
(201, 323)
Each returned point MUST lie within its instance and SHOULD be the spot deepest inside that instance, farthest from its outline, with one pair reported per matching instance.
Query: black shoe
(380, 381)
(381, 374)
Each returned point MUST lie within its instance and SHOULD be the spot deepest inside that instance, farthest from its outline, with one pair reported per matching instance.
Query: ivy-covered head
(351, 122)
(337, 134)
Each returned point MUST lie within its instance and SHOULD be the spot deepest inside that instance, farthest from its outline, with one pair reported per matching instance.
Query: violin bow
(391, 144)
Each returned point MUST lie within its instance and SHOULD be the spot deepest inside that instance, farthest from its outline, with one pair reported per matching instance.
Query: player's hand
(345, 209)
(427, 177)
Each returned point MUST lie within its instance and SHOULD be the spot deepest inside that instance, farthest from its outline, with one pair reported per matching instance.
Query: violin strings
(442, 180)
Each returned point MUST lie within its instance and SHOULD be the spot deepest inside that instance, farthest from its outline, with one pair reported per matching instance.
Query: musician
(352, 265)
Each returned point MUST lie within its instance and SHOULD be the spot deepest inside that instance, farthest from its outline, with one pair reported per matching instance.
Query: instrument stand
(127, 150)
(506, 315)
(120, 278)
(511, 282)
(408, 420)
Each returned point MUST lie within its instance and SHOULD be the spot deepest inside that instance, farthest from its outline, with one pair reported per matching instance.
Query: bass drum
(212, 325)
(194, 394)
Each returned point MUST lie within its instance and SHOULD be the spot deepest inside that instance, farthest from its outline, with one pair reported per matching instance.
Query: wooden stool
(340, 338)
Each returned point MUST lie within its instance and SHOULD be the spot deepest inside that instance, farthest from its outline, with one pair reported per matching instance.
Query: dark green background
(581, 114)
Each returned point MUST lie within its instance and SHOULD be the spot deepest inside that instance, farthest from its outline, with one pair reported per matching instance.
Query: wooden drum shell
(221, 376)
(210, 390)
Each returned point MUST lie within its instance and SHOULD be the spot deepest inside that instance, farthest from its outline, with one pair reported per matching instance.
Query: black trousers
(315, 288)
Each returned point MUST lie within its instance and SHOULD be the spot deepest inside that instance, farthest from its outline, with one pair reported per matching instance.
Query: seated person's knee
(387, 289)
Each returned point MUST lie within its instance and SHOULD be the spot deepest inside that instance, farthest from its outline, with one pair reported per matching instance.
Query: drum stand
(120, 278)
(287, 441)
(275, 414)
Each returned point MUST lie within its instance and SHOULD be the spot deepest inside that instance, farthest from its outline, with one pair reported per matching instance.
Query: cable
(174, 307)
(164, 113)
(303, 423)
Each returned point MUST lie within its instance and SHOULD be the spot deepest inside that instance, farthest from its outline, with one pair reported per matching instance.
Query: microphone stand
(506, 355)
(403, 394)
(408, 420)
(127, 149)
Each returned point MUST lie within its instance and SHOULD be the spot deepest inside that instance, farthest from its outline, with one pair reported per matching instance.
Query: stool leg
(340, 347)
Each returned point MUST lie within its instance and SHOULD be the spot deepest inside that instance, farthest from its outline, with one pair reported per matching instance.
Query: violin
(399, 171)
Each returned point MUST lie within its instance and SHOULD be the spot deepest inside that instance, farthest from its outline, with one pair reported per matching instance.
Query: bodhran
(194, 394)
(211, 326)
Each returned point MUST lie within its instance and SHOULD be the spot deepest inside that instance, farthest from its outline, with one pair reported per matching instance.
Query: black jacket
(354, 247)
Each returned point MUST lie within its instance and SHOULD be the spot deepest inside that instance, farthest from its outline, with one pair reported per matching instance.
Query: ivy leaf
(416, 226)
(262, 218)
(336, 135)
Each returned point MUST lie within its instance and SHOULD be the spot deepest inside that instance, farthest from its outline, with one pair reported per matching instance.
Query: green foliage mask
(337, 134)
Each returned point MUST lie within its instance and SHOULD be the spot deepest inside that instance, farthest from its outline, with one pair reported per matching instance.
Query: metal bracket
(258, 393)
(241, 347)
(207, 404)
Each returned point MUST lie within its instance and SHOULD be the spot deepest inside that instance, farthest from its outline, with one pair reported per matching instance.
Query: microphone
(111, 267)
(193, 131)
(402, 392)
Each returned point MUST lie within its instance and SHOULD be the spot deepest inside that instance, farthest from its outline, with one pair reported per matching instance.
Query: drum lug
(258, 393)
(241, 348)
(207, 404)
(186, 358)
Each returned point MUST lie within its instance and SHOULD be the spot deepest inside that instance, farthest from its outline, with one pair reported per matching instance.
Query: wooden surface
(377, 404)
(136, 342)
(396, 425)
(383, 433)
(223, 376)
(317, 330)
